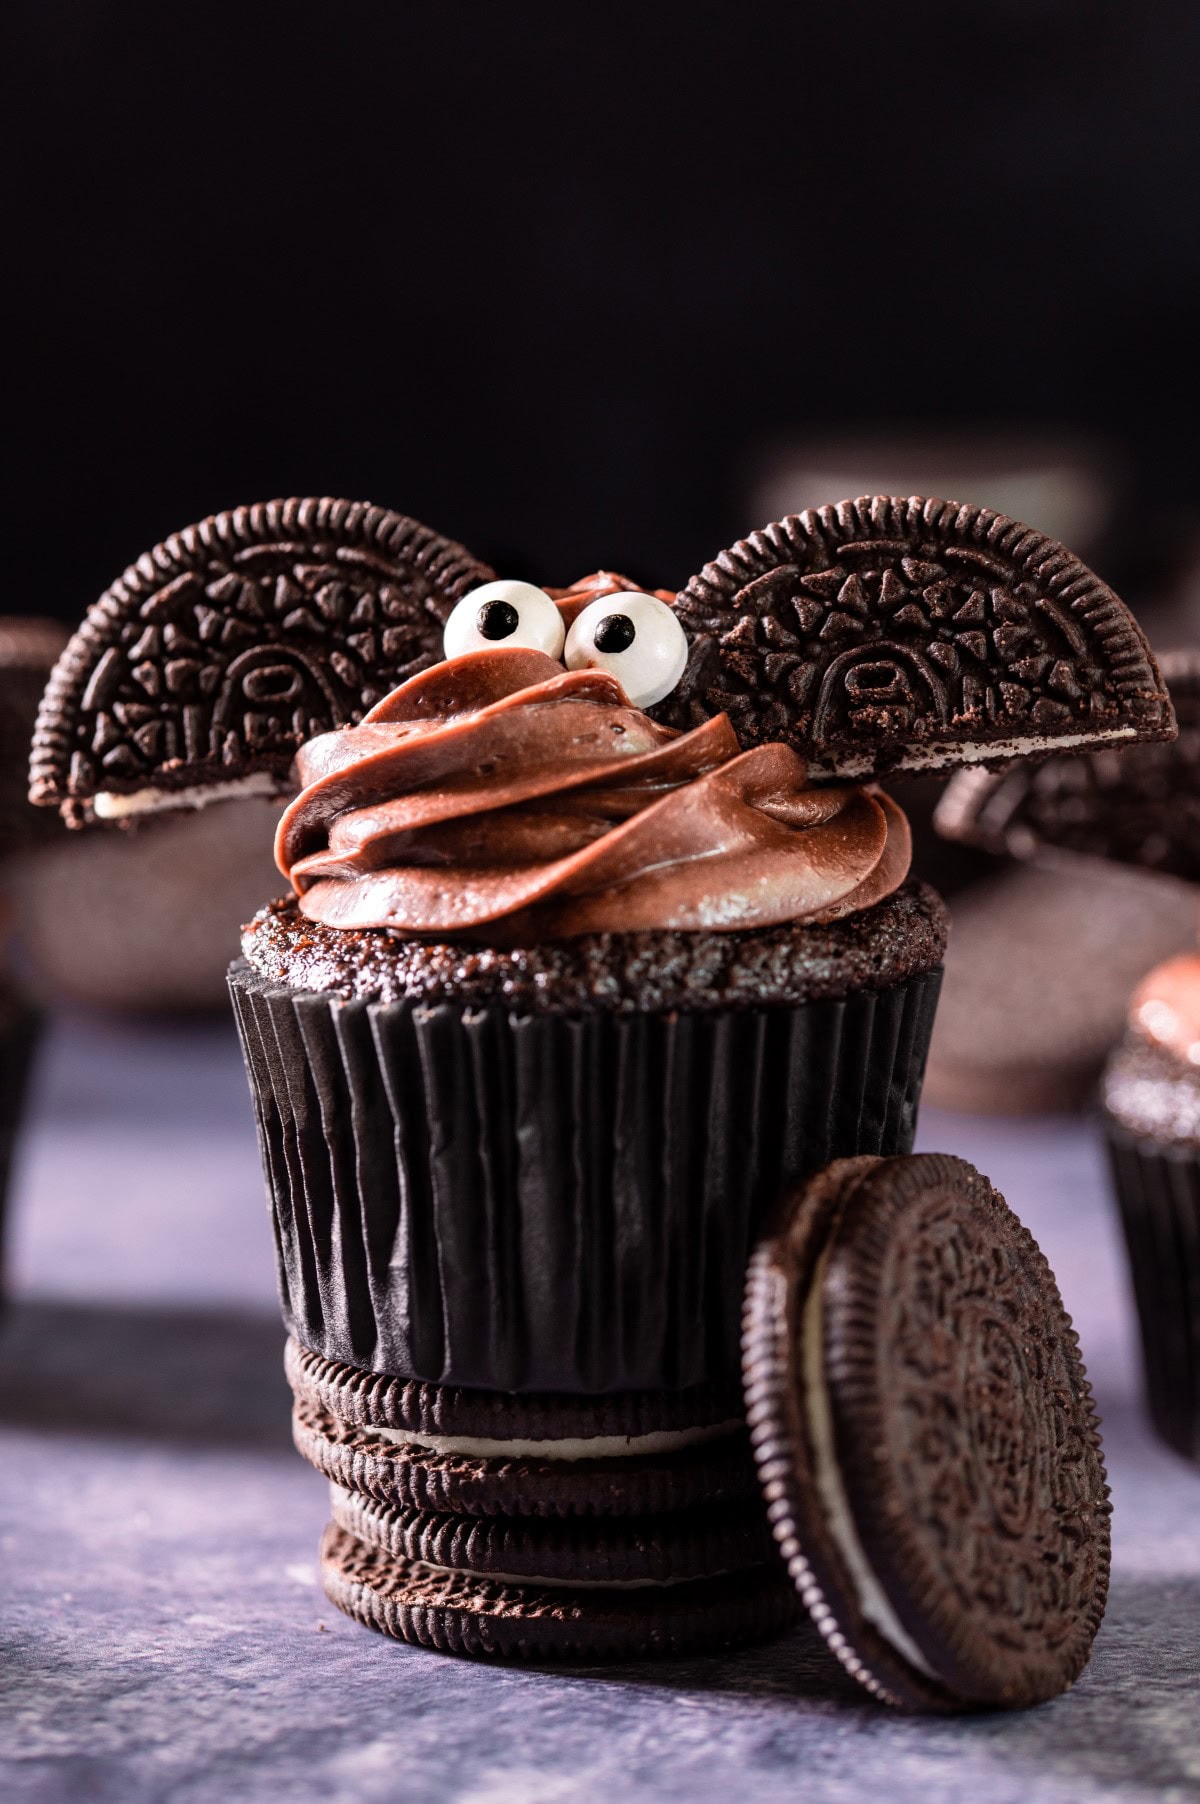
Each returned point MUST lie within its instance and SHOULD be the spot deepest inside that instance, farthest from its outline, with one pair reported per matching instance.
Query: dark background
(549, 276)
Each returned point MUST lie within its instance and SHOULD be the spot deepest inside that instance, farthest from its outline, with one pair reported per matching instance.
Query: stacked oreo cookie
(545, 1527)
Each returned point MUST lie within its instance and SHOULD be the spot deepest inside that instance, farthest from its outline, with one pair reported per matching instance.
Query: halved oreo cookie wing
(216, 654)
(1138, 806)
(890, 633)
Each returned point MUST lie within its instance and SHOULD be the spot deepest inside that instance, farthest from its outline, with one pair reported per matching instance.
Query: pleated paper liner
(555, 1203)
(20, 1032)
(1158, 1191)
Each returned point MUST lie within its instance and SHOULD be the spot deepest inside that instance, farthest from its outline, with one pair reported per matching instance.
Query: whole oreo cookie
(464, 1613)
(396, 1467)
(1028, 1016)
(925, 1436)
(219, 652)
(656, 1550)
(1139, 806)
(889, 633)
(370, 1400)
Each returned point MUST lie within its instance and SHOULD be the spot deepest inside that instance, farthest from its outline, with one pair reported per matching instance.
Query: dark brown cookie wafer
(1139, 806)
(221, 650)
(370, 1400)
(890, 633)
(458, 1614)
(926, 1436)
(653, 1549)
(414, 1477)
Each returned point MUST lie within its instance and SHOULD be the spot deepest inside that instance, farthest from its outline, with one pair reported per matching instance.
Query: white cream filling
(933, 757)
(869, 1593)
(597, 1446)
(108, 806)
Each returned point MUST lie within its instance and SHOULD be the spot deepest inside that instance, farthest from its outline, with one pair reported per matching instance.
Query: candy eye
(504, 613)
(636, 638)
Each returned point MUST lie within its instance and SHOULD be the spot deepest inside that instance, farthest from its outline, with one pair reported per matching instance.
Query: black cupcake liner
(1158, 1192)
(20, 1032)
(553, 1202)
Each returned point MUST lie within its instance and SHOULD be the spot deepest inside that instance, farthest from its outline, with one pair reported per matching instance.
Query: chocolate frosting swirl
(498, 797)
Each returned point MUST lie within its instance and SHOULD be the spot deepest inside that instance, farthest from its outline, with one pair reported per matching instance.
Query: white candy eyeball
(504, 614)
(636, 638)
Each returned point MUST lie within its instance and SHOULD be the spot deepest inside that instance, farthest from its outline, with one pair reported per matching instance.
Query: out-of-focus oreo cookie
(1137, 806)
(646, 1550)
(926, 1437)
(29, 650)
(215, 655)
(464, 1613)
(369, 1400)
(890, 633)
(452, 1475)
(1041, 960)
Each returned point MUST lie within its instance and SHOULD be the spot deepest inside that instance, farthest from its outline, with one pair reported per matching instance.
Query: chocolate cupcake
(581, 994)
(1152, 1122)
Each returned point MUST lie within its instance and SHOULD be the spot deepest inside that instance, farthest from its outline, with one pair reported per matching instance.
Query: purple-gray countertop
(162, 1631)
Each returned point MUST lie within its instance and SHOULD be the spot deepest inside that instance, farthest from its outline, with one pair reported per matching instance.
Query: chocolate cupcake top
(500, 796)
(902, 937)
(1152, 1084)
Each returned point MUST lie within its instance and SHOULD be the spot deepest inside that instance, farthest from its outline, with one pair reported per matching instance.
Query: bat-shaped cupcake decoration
(879, 634)
(597, 942)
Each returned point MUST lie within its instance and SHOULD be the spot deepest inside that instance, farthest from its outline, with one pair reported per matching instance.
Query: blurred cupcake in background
(1152, 1117)
(28, 650)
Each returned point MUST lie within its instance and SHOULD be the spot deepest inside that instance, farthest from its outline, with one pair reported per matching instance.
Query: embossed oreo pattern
(886, 632)
(965, 1429)
(1139, 807)
(222, 649)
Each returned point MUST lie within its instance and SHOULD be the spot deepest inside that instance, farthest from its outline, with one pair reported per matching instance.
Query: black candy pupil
(497, 619)
(616, 632)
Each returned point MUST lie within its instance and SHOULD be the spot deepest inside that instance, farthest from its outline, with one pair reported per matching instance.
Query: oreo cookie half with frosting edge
(926, 1437)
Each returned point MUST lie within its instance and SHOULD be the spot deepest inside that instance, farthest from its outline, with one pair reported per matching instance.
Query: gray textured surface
(162, 1635)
